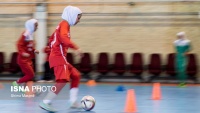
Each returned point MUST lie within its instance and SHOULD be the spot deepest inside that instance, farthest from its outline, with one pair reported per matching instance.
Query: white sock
(73, 93)
(49, 97)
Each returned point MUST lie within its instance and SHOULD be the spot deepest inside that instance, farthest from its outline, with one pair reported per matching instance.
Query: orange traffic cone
(130, 105)
(1, 86)
(156, 92)
(91, 83)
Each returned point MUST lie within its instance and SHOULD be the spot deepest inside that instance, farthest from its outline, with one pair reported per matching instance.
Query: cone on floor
(1, 86)
(91, 83)
(156, 92)
(130, 105)
(120, 88)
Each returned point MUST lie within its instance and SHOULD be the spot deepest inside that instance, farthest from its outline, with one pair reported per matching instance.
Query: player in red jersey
(64, 72)
(26, 52)
(48, 72)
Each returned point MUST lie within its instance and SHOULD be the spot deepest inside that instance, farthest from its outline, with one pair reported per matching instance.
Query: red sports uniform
(60, 42)
(25, 45)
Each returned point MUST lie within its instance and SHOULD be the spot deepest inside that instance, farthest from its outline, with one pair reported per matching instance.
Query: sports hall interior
(122, 39)
(129, 54)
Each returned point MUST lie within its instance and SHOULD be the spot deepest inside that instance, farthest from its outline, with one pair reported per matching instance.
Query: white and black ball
(88, 102)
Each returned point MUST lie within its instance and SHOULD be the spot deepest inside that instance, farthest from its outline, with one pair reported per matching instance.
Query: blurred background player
(182, 46)
(48, 72)
(26, 52)
(60, 42)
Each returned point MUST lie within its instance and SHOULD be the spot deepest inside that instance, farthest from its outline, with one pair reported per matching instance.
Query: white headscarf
(181, 34)
(70, 14)
(182, 42)
(30, 26)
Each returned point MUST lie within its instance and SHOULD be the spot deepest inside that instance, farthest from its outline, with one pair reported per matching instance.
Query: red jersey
(25, 45)
(59, 43)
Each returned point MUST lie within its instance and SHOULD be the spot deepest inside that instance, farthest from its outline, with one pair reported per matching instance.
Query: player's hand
(79, 53)
(47, 47)
(36, 51)
(25, 54)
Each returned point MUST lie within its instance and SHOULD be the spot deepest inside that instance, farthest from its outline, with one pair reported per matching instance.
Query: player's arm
(188, 48)
(50, 39)
(47, 49)
(64, 38)
(22, 51)
(32, 46)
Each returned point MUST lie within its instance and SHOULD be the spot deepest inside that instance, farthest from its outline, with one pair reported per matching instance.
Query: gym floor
(109, 99)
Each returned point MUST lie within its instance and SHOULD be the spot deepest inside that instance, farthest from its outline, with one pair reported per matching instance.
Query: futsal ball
(88, 102)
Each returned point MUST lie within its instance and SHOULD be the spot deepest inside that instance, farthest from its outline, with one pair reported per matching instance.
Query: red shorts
(65, 72)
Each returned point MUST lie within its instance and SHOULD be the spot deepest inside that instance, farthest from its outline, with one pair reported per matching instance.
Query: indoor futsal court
(112, 98)
(130, 56)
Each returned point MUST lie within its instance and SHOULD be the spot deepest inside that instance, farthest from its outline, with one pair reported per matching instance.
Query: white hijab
(182, 42)
(70, 14)
(30, 26)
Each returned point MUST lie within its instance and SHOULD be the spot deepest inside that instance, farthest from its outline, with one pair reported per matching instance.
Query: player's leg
(27, 70)
(183, 77)
(47, 72)
(74, 86)
(181, 72)
(46, 103)
(61, 80)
